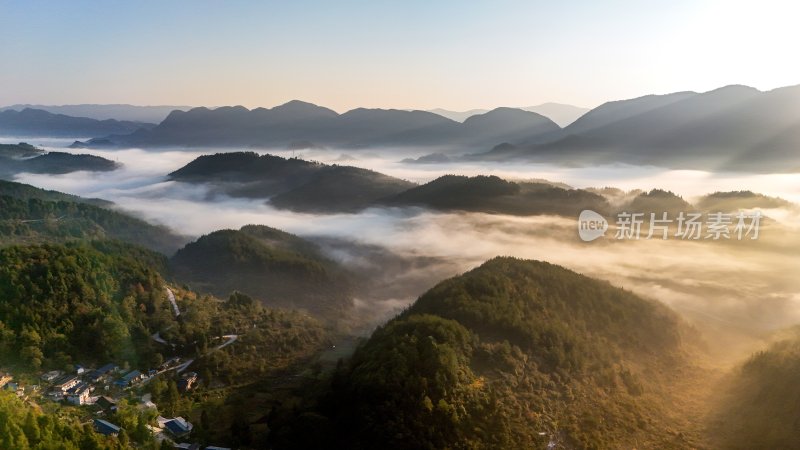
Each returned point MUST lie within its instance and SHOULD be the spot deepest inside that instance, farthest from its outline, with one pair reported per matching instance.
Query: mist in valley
(737, 293)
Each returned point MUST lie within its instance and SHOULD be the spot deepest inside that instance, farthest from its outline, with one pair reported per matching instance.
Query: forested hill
(78, 303)
(24, 426)
(22, 157)
(491, 194)
(32, 215)
(26, 192)
(759, 404)
(514, 354)
(92, 303)
(292, 183)
(275, 267)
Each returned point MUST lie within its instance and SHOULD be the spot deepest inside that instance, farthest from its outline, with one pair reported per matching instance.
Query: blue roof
(107, 368)
(177, 426)
(97, 373)
(104, 427)
(126, 380)
(131, 375)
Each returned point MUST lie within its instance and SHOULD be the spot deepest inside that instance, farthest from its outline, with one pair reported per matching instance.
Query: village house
(102, 372)
(106, 403)
(178, 427)
(129, 379)
(66, 383)
(172, 362)
(52, 375)
(15, 388)
(79, 395)
(106, 428)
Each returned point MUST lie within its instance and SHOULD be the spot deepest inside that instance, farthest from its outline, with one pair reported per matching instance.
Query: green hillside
(275, 267)
(514, 354)
(24, 427)
(491, 194)
(759, 406)
(31, 215)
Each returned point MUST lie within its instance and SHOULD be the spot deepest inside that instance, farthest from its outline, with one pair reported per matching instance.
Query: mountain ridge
(37, 122)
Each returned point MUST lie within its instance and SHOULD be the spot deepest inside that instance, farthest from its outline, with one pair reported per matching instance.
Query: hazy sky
(402, 54)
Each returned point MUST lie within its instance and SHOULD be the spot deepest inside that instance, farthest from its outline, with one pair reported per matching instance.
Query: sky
(406, 54)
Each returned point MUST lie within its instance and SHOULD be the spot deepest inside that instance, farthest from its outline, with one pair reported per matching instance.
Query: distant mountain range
(300, 125)
(559, 113)
(131, 113)
(37, 122)
(733, 128)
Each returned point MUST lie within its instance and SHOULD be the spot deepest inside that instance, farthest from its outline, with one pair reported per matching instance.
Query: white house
(79, 395)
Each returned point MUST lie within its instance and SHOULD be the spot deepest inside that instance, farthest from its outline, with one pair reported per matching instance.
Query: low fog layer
(739, 292)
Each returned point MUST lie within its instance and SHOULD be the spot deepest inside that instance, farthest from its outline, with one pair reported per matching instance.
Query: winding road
(171, 298)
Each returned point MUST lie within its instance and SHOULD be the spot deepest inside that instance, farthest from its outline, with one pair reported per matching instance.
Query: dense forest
(78, 303)
(23, 191)
(275, 267)
(30, 215)
(102, 301)
(514, 354)
(24, 427)
(759, 404)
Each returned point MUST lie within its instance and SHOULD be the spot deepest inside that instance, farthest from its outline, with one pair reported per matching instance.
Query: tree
(205, 423)
(157, 360)
(173, 398)
(206, 377)
(123, 438)
(31, 429)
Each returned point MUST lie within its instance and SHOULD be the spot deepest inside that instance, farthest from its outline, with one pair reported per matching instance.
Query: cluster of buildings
(77, 388)
(176, 428)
